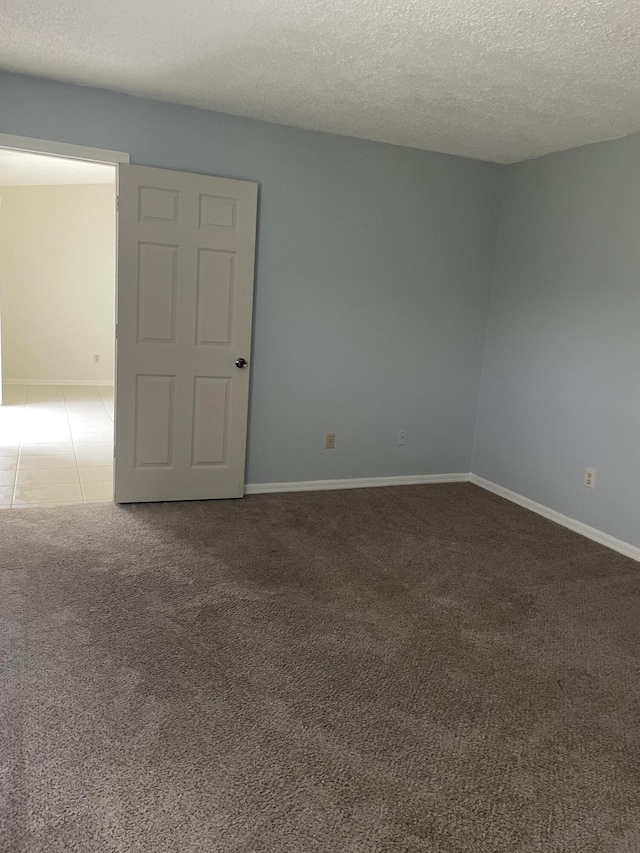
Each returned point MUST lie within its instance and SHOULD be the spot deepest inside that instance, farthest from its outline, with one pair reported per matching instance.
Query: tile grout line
(103, 402)
(66, 409)
(15, 476)
(100, 397)
(73, 444)
(66, 402)
(24, 412)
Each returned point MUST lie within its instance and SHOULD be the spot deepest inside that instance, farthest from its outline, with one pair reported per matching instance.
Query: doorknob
(241, 362)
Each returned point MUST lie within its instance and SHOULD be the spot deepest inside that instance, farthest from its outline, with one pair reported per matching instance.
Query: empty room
(364, 575)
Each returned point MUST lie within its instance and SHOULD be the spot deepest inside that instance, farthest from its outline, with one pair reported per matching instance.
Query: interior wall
(561, 386)
(372, 280)
(57, 280)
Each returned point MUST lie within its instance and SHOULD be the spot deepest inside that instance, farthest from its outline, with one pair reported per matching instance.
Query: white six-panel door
(186, 246)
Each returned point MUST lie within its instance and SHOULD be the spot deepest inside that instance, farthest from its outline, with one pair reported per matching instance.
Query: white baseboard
(571, 523)
(360, 483)
(374, 482)
(101, 382)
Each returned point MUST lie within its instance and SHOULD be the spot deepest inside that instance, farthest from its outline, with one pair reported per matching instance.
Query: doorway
(57, 329)
(184, 281)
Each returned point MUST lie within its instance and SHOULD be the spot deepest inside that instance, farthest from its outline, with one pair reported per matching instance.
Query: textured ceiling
(501, 80)
(18, 169)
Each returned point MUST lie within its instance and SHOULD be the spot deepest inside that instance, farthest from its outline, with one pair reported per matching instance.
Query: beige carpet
(420, 668)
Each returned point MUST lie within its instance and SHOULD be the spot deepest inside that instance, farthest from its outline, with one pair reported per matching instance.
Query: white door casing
(186, 247)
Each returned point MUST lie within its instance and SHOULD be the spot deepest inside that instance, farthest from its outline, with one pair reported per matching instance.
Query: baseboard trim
(571, 523)
(101, 382)
(359, 483)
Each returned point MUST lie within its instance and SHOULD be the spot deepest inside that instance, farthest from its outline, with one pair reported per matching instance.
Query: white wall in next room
(57, 282)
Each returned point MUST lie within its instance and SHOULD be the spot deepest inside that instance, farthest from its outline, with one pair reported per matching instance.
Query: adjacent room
(369, 580)
(57, 328)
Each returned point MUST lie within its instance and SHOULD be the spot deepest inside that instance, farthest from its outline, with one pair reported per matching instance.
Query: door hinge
(116, 331)
(117, 202)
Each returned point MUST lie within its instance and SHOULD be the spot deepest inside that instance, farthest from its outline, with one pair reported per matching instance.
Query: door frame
(68, 151)
(63, 149)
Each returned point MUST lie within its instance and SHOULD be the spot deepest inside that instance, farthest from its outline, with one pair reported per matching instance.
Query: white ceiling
(501, 80)
(20, 169)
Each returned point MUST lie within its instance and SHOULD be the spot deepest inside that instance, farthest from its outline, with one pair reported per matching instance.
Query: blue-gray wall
(373, 276)
(372, 292)
(561, 379)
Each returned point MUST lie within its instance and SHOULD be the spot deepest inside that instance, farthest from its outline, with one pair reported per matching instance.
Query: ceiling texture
(500, 80)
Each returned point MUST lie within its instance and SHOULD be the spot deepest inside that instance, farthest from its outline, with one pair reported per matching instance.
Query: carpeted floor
(423, 668)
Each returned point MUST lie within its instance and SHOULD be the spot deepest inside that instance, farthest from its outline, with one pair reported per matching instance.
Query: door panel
(157, 285)
(215, 296)
(210, 429)
(186, 250)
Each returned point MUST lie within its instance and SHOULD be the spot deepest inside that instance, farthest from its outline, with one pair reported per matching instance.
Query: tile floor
(56, 445)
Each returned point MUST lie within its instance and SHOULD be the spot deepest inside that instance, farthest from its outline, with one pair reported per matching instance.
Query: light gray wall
(373, 276)
(561, 379)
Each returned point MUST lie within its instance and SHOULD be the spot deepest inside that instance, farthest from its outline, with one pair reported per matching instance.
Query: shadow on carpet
(423, 668)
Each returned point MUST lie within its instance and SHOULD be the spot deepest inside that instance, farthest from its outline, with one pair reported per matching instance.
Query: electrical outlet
(402, 437)
(590, 478)
(330, 440)
(96, 359)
